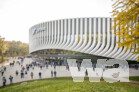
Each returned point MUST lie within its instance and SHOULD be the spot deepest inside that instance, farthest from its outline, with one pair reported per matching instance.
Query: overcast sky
(17, 16)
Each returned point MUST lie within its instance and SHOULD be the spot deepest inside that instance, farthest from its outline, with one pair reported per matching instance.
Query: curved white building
(88, 35)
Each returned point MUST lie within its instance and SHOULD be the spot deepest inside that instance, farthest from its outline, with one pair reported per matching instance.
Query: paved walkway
(46, 73)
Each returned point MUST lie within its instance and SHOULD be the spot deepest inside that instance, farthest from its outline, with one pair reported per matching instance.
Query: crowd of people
(25, 68)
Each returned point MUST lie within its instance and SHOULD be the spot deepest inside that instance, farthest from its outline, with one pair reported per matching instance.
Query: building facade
(88, 35)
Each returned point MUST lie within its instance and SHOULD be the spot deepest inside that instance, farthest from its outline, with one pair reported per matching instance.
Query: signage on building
(36, 30)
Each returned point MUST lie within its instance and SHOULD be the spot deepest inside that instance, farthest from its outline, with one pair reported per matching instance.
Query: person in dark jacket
(40, 74)
(4, 81)
(51, 73)
(55, 73)
(16, 73)
(11, 79)
(2, 72)
(4, 68)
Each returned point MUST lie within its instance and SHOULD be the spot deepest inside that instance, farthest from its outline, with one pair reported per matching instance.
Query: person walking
(31, 74)
(68, 67)
(2, 72)
(40, 75)
(26, 72)
(28, 68)
(16, 73)
(23, 68)
(11, 79)
(13, 63)
(55, 73)
(4, 68)
(51, 73)
(4, 81)
(41, 67)
(22, 74)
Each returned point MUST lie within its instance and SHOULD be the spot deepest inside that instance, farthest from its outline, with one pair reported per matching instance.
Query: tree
(15, 54)
(3, 48)
(126, 13)
(17, 48)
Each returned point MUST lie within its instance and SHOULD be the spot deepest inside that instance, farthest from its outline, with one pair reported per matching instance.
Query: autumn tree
(17, 48)
(3, 48)
(126, 13)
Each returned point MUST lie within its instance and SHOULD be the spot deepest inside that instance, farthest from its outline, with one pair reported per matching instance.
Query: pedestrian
(40, 74)
(68, 67)
(31, 74)
(26, 72)
(41, 67)
(22, 74)
(4, 68)
(13, 63)
(136, 66)
(28, 67)
(51, 73)
(23, 68)
(16, 72)
(22, 60)
(55, 73)
(2, 72)
(11, 79)
(4, 81)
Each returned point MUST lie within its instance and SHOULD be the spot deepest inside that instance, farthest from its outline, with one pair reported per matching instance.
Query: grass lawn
(136, 78)
(67, 85)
